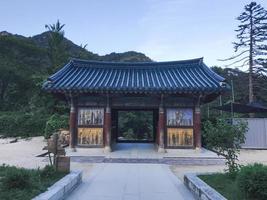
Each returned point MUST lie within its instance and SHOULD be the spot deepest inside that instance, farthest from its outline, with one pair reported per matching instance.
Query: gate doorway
(134, 126)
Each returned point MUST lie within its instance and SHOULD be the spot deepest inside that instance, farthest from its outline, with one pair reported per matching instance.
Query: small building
(173, 91)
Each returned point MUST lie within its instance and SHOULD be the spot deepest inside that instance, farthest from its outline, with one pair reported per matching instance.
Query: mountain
(75, 50)
(25, 64)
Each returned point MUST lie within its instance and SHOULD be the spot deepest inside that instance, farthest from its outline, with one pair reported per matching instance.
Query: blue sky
(162, 29)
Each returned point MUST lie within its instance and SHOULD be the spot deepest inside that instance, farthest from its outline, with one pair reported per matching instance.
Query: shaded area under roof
(254, 107)
(186, 76)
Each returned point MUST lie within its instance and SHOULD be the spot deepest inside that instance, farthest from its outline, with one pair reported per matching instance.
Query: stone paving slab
(113, 181)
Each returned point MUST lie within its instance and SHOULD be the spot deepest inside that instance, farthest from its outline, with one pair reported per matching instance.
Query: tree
(226, 139)
(57, 51)
(251, 47)
(20, 60)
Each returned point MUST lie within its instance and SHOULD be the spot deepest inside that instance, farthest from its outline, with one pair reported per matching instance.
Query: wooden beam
(72, 123)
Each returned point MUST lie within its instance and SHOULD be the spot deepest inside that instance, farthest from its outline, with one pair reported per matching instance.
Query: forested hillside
(239, 80)
(25, 62)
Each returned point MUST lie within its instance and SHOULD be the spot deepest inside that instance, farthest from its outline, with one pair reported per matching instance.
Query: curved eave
(139, 91)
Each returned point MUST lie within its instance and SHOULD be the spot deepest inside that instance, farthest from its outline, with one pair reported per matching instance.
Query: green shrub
(25, 184)
(47, 171)
(252, 181)
(54, 123)
(15, 178)
(226, 139)
(14, 124)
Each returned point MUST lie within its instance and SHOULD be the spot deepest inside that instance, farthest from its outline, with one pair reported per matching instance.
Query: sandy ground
(245, 157)
(23, 153)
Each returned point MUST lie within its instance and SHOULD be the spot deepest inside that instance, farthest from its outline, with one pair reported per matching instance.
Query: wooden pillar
(107, 129)
(72, 124)
(161, 128)
(197, 127)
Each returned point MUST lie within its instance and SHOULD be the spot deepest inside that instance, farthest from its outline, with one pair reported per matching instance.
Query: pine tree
(251, 47)
(57, 51)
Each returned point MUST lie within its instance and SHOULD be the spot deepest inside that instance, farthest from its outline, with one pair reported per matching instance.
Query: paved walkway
(113, 181)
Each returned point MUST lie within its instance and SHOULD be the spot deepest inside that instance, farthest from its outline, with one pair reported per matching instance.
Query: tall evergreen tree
(251, 47)
(57, 51)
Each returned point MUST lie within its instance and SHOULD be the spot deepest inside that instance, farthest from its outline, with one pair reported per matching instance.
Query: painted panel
(179, 117)
(179, 137)
(90, 136)
(90, 116)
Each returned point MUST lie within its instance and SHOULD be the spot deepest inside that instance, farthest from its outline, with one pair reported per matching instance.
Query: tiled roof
(188, 76)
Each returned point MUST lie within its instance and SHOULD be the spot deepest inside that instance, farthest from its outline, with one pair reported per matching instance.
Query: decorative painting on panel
(179, 137)
(90, 116)
(180, 117)
(90, 136)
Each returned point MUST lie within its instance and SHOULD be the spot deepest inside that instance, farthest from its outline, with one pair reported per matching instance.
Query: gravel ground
(23, 152)
(245, 157)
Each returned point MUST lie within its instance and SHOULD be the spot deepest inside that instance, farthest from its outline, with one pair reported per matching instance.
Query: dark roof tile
(174, 77)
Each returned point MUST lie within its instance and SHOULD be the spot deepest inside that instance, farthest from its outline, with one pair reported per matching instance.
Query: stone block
(200, 189)
(63, 163)
(62, 187)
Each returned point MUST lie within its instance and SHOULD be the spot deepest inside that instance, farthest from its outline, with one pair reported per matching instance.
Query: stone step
(165, 160)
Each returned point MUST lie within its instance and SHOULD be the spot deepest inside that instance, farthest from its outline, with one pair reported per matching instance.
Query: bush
(47, 171)
(15, 178)
(54, 123)
(14, 124)
(25, 184)
(226, 139)
(252, 181)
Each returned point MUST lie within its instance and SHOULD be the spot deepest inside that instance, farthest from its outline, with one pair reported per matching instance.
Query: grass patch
(225, 184)
(23, 184)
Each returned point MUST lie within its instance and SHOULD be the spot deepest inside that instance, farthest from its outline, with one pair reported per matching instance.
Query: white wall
(256, 137)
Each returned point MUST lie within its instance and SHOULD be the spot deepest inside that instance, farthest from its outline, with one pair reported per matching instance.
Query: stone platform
(145, 153)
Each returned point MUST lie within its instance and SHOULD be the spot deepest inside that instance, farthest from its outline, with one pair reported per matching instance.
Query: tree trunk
(250, 74)
(3, 90)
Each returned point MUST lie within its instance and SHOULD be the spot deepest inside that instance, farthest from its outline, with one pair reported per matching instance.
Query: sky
(164, 30)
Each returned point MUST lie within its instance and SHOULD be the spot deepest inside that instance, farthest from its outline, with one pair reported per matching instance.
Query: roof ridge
(195, 60)
(95, 63)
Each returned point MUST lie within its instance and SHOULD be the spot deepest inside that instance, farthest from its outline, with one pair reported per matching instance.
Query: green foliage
(47, 171)
(57, 49)
(24, 65)
(19, 61)
(17, 179)
(24, 184)
(240, 92)
(21, 124)
(54, 123)
(249, 183)
(129, 56)
(226, 139)
(252, 181)
(225, 184)
(136, 125)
